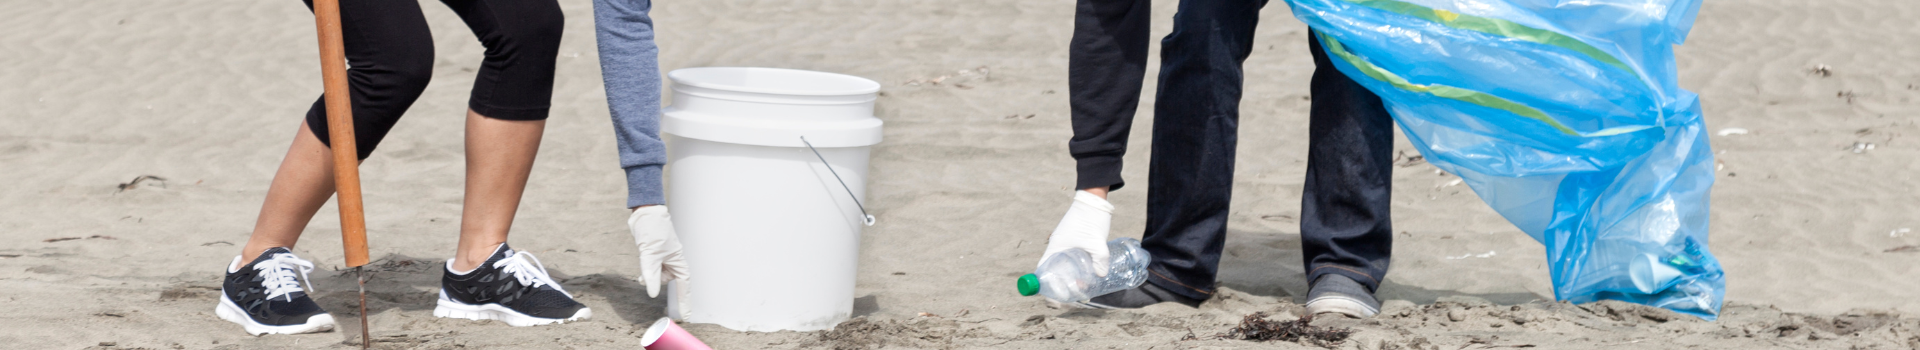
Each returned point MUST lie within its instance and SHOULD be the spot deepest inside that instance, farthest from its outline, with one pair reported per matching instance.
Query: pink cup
(664, 335)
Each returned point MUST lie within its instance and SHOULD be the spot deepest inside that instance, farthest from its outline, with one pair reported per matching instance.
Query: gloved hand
(660, 259)
(1085, 226)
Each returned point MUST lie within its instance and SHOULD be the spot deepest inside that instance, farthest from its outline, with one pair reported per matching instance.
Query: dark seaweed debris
(137, 180)
(1256, 327)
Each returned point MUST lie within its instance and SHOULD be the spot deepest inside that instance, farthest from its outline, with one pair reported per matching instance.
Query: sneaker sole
(1340, 305)
(229, 311)
(448, 308)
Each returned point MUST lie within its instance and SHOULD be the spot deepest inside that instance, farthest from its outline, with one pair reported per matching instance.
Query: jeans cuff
(1357, 274)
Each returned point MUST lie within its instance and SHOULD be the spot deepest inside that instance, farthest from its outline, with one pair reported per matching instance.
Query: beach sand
(972, 176)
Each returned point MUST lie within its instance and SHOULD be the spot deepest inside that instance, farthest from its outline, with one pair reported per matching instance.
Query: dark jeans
(1345, 228)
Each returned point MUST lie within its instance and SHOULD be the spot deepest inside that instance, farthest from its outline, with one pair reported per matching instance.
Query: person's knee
(1215, 21)
(539, 31)
(547, 26)
(411, 74)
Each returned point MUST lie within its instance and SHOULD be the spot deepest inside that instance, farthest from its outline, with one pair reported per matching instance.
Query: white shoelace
(528, 270)
(277, 274)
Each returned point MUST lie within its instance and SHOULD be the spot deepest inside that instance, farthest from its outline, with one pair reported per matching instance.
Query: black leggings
(390, 52)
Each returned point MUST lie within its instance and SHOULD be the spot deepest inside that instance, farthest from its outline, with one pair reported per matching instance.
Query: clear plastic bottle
(1678, 280)
(1651, 273)
(1068, 277)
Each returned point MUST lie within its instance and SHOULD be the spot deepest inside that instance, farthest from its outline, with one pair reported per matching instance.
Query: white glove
(660, 258)
(1085, 226)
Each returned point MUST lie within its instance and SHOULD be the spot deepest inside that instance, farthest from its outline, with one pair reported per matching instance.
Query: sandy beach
(1813, 211)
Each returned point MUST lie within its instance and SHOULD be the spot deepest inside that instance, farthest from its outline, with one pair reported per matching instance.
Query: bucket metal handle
(868, 218)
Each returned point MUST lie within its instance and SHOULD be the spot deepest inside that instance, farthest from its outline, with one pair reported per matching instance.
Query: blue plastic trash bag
(1565, 116)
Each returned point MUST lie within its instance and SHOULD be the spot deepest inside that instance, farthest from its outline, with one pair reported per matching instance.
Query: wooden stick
(346, 160)
(346, 155)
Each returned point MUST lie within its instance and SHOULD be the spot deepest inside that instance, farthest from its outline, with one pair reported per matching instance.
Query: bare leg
(499, 157)
(303, 183)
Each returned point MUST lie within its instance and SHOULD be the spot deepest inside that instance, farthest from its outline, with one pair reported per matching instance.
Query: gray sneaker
(1337, 294)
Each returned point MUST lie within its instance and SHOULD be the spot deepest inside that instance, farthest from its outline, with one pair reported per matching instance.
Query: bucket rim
(691, 77)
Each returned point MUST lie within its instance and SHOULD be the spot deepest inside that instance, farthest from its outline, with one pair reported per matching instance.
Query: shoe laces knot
(528, 270)
(278, 274)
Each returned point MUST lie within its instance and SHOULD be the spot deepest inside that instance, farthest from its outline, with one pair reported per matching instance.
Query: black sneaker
(264, 296)
(1139, 297)
(510, 286)
(1337, 294)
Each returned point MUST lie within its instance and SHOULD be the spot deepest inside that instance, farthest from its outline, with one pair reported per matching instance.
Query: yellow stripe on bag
(1464, 95)
(1495, 26)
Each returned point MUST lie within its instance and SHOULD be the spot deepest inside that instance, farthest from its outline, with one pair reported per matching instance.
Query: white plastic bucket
(770, 234)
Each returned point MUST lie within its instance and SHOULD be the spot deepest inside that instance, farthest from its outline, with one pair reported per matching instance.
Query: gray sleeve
(630, 66)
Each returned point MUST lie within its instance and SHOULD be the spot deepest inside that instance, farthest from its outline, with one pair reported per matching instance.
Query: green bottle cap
(1029, 285)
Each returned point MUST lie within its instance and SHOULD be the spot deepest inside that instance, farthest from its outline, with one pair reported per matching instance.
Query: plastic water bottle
(1068, 277)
